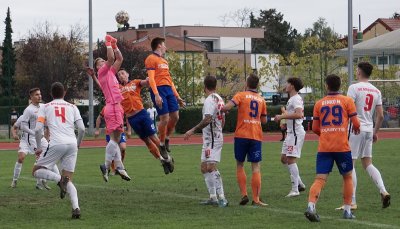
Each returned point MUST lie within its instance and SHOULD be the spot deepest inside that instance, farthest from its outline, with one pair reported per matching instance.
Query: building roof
(390, 24)
(174, 43)
(388, 43)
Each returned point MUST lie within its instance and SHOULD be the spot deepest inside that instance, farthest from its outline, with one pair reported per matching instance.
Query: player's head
(333, 82)
(123, 76)
(34, 95)
(210, 83)
(98, 63)
(57, 90)
(364, 70)
(294, 83)
(158, 43)
(252, 82)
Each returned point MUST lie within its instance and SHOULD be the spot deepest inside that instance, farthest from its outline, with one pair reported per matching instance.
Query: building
(380, 27)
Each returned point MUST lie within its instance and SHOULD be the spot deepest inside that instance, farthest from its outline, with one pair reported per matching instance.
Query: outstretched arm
(118, 59)
(228, 106)
(203, 123)
(91, 73)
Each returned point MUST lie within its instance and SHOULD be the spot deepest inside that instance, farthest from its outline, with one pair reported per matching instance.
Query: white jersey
(60, 117)
(152, 112)
(366, 97)
(18, 122)
(295, 126)
(212, 106)
(29, 118)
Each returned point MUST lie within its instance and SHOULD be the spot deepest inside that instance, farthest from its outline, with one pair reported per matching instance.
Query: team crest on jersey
(163, 66)
(128, 88)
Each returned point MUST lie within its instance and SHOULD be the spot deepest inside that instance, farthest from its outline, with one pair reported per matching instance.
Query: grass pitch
(155, 200)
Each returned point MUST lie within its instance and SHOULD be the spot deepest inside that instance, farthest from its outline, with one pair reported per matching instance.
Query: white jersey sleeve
(295, 126)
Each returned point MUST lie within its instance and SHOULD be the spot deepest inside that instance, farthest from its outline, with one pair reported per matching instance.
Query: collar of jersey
(252, 90)
(333, 93)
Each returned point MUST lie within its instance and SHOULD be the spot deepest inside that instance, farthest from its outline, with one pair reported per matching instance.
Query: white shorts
(361, 145)
(209, 154)
(26, 148)
(292, 145)
(66, 154)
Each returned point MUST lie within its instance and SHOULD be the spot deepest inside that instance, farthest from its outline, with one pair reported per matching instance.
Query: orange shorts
(114, 117)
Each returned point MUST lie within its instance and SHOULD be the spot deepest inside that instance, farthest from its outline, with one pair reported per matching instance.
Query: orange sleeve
(316, 122)
(352, 111)
(151, 73)
(236, 99)
(41, 119)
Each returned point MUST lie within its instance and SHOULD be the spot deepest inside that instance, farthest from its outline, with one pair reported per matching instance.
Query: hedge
(190, 116)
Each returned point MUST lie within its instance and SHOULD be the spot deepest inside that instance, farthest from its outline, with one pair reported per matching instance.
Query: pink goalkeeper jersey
(109, 84)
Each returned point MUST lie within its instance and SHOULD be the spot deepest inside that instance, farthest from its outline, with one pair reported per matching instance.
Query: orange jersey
(251, 106)
(158, 71)
(331, 116)
(132, 101)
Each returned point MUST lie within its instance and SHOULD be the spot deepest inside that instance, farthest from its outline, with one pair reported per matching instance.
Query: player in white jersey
(368, 100)
(16, 127)
(27, 143)
(61, 118)
(291, 148)
(211, 126)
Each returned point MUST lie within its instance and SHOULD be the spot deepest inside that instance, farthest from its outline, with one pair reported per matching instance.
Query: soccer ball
(122, 17)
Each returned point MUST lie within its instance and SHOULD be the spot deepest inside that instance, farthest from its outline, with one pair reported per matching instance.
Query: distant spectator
(14, 116)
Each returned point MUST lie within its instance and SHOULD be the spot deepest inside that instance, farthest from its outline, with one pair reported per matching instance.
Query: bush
(191, 116)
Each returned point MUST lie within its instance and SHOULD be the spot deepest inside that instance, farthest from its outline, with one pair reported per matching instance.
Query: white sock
(311, 206)
(347, 208)
(73, 195)
(47, 174)
(294, 174)
(376, 177)
(210, 182)
(354, 176)
(219, 187)
(300, 181)
(17, 170)
(112, 149)
(119, 165)
(55, 169)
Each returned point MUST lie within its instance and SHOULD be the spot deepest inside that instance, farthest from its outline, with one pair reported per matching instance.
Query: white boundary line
(277, 210)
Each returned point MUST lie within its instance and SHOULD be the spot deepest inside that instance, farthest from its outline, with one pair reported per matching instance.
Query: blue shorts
(121, 140)
(343, 160)
(142, 124)
(170, 104)
(249, 147)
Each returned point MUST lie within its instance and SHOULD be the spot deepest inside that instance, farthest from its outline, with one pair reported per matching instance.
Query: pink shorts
(114, 117)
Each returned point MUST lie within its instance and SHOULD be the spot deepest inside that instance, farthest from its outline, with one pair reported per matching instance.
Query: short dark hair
(210, 82)
(57, 90)
(33, 90)
(252, 81)
(366, 68)
(155, 42)
(122, 69)
(296, 82)
(333, 81)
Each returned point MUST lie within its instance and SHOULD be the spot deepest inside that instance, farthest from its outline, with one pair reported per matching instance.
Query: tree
(8, 61)
(395, 16)
(241, 17)
(49, 56)
(279, 36)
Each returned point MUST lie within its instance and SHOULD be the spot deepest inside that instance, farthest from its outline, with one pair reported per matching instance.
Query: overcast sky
(63, 14)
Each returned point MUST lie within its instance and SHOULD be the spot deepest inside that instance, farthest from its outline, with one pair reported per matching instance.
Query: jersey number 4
(336, 112)
(60, 112)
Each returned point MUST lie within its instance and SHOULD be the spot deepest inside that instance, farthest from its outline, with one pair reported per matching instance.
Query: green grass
(155, 200)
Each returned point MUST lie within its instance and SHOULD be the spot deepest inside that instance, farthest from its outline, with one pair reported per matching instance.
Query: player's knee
(21, 159)
(284, 159)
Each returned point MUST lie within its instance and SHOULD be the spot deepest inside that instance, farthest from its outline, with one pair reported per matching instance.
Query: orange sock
(347, 189)
(256, 186)
(153, 149)
(315, 190)
(162, 130)
(241, 179)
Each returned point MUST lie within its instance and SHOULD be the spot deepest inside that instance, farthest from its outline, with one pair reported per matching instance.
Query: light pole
(163, 18)
(91, 118)
(350, 41)
(184, 60)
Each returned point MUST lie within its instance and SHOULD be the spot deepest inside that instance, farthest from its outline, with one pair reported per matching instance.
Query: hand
(90, 71)
(129, 134)
(38, 152)
(96, 133)
(181, 102)
(375, 138)
(188, 134)
(16, 137)
(278, 118)
(356, 131)
(159, 101)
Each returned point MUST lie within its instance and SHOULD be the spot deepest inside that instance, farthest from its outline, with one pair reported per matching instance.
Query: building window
(383, 60)
(209, 45)
(397, 59)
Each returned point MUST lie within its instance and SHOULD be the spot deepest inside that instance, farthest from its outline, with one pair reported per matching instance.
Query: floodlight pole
(91, 118)
(163, 17)
(350, 41)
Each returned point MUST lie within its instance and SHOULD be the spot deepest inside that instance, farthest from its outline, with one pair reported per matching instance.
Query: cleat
(293, 194)
(167, 145)
(13, 184)
(311, 215)
(76, 214)
(385, 200)
(123, 174)
(45, 185)
(353, 207)
(223, 203)
(165, 166)
(258, 204)
(39, 187)
(103, 170)
(170, 164)
(209, 202)
(348, 215)
(163, 152)
(302, 188)
(63, 186)
(244, 200)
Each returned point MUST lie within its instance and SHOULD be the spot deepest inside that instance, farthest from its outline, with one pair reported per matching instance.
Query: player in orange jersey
(163, 92)
(139, 119)
(330, 120)
(252, 111)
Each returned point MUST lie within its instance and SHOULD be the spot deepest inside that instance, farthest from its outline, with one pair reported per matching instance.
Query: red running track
(196, 139)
